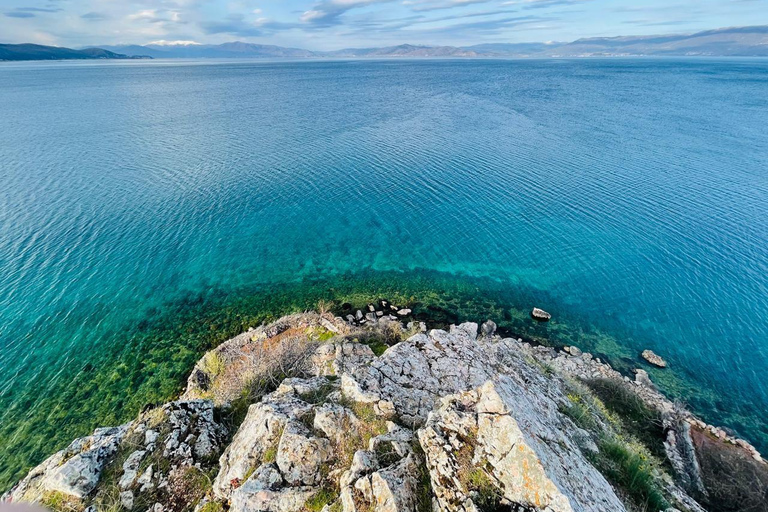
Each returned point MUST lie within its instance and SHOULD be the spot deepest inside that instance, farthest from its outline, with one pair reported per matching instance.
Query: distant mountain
(39, 52)
(206, 51)
(726, 42)
(404, 50)
(512, 49)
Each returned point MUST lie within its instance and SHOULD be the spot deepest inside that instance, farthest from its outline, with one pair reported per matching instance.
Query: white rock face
(411, 376)
(74, 471)
(475, 415)
(260, 431)
(300, 455)
(384, 477)
(514, 436)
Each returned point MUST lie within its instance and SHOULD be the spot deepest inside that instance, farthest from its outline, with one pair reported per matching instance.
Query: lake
(149, 209)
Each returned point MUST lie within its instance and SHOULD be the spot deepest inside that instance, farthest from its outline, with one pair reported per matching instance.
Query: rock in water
(540, 315)
(654, 359)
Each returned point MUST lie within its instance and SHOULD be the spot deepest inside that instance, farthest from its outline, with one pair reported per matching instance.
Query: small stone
(540, 315)
(126, 499)
(379, 313)
(574, 351)
(371, 317)
(359, 315)
(404, 312)
(488, 328)
(654, 359)
(371, 308)
(150, 436)
(641, 377)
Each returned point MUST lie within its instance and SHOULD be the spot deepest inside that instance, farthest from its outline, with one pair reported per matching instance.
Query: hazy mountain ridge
(725, 42)
(39, 52)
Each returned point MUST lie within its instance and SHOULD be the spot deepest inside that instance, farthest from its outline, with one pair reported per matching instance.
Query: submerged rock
(540, 315)
(654, 359)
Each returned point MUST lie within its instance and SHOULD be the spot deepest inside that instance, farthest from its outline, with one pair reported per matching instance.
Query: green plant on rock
(60, 502)
(325, 496)
(424, 489)
(212, 506)
(628, 465)
(213, 364)
(270, 454)
(319, 395)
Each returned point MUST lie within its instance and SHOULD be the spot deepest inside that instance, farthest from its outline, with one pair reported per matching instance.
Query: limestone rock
(74, 471)
(517, 438)
(385, 477)
(642, 378)
(300, 455)
(337, 358)
(488, 328)
(263, 492)
(653, 358)
(259, 432)
(410, 376)
(540, 315)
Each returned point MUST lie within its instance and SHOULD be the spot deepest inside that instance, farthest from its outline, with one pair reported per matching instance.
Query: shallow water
(628, 197)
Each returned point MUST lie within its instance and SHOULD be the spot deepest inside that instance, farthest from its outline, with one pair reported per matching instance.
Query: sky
(335, 24)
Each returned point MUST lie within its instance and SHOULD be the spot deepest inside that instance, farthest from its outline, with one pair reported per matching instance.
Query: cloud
(38, 9)
(328, 12)
(94, 16)
(235, 25)
(429, 5)
(541, 4)
(29, 12)
(19, 14)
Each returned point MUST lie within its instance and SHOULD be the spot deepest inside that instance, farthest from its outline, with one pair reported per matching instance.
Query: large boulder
(507, 444)
(73, 471)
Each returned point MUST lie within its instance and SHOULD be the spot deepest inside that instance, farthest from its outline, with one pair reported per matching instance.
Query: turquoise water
(629, 196)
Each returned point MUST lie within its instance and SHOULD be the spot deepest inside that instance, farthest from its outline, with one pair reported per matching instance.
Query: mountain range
(725, 42)
(40, 52)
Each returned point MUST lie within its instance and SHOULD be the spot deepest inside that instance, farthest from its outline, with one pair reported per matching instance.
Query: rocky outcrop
(515, 442)
(74, 471)
(455, 420)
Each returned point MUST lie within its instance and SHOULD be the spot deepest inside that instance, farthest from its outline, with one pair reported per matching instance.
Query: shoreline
(438, 300)
(338, 348)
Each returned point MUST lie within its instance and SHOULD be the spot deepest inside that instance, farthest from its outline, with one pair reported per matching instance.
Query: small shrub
(325, 496)
(320, 395)
(635, 416)
(424, 490)
(580, 412)
(212, 506)
(270, 455)
(734, 481)
(186, 486)
(487, 496)
(386, 454)
(631, 468)
(60, 502)
(212, 364)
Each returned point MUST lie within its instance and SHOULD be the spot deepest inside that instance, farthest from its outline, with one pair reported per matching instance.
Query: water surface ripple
(631, 192)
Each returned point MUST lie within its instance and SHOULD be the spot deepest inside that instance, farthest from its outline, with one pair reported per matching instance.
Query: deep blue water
(634, 193)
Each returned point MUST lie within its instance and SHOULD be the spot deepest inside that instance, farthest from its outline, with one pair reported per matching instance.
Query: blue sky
(333, 24)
